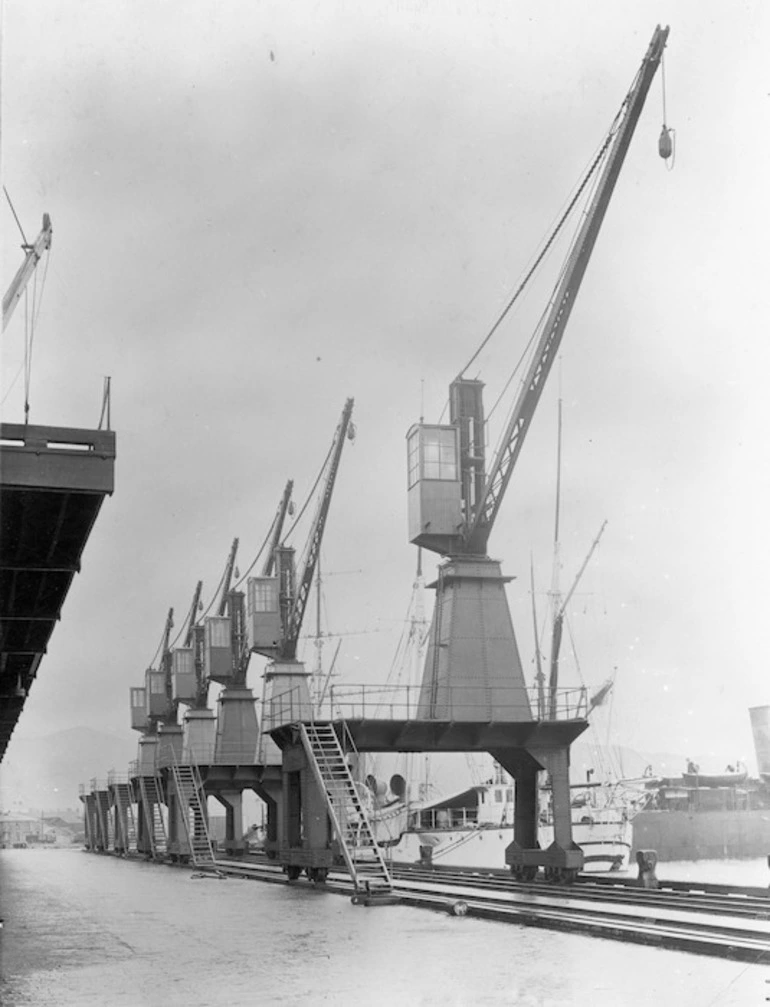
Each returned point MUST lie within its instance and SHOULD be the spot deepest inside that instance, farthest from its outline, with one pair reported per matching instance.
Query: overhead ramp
(52, 484)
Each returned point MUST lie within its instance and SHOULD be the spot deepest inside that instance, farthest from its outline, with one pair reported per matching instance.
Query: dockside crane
(227, 579)
(237, 608)
(473, 684)
(153, 704)
(32, 255)
(194, 690)
(454, 497)
(285, 507)
(467, 529)
(277, 602)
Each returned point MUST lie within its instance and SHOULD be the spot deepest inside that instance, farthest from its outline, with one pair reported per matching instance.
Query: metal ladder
(151, 793)
(189, 789)
(124, 799)
(363, 857)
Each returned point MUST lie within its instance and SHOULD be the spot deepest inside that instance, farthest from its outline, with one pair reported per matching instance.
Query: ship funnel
(760, 726)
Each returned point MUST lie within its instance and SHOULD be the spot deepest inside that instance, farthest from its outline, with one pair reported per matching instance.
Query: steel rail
(736, 903)
(695, 928)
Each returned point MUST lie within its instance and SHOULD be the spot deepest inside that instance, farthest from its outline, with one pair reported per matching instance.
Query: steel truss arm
(563, 302)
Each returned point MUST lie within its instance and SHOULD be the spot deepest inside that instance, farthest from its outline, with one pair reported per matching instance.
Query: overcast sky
(260, 209)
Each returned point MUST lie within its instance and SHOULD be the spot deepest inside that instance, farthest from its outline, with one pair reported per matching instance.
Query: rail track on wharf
(704, 919)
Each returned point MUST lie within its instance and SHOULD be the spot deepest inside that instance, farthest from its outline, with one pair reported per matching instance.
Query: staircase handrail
(184, 814)
(349, 863)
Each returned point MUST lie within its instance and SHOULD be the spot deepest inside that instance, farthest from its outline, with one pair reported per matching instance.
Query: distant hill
(44, 773)
(617, 760)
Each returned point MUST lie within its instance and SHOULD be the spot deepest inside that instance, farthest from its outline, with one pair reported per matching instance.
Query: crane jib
(480, 525)
(297, 611)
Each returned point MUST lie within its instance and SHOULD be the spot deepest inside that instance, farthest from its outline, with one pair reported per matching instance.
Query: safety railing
(377, 702)
(289, 707)
(113, 778)
(220, 754)
(473, 703)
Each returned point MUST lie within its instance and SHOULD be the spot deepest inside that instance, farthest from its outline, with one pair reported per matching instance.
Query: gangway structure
(53, 481)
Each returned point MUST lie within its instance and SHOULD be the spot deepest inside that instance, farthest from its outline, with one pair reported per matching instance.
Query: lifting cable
(667, 140)
(294, 525)
(312, 491)
(160, 647)
(22, 365)
(554, 234)
(30, 318)
(216, 592)
(541, 321)
(191, 618)
(259, 553)
(37, 301)
(188, 623)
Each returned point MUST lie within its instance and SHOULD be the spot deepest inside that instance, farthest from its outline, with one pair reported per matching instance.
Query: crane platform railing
(376, 702)
(289, 707)
(222, 753)
(398, 703)
(113, 778)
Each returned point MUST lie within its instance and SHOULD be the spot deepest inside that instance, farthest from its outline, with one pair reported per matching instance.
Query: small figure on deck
(692, 767)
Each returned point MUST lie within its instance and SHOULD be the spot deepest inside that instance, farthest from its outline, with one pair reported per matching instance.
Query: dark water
(86, 930)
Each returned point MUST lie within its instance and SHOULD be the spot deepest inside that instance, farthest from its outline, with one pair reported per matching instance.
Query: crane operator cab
(435, 505)
(446, 472)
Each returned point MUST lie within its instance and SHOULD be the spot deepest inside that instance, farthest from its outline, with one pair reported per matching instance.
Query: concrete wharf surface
(82, 930)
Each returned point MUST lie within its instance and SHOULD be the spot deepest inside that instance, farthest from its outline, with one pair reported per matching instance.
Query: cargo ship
(711, 816)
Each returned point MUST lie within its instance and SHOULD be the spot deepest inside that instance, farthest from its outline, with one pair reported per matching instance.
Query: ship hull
(704, 835)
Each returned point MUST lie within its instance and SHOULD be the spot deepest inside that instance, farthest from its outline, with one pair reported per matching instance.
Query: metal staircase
(192, 808)
(151, 793)
(352, 827)
(124, 803)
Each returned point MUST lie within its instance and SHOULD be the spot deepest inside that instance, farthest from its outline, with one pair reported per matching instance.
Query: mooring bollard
(647, 861)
